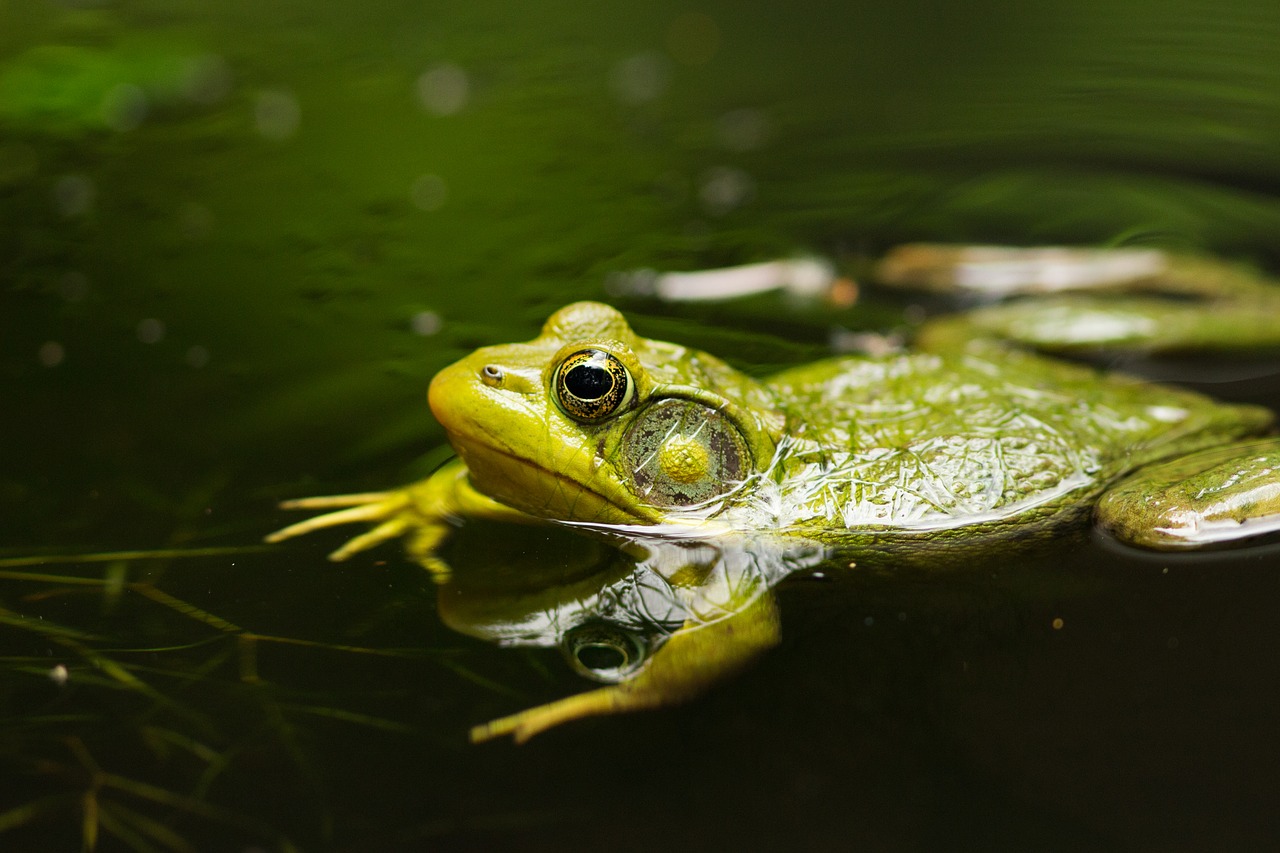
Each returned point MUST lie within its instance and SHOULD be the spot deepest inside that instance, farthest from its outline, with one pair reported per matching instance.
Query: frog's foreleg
(386, 507)
(693, 658)
(424, 511)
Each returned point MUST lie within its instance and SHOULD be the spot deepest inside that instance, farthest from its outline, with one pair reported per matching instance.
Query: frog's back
(990, 435)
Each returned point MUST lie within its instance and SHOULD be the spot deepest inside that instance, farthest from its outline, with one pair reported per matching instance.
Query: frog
(959, 446)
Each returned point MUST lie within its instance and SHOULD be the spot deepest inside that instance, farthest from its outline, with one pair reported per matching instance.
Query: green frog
(918, 456)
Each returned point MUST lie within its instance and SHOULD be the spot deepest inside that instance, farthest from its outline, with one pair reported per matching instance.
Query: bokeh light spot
(277, 114)
(151, 330)
(51, 353)
(444, 89)
(725, 188)
(640, 78)
(197, 356)
(425, 323)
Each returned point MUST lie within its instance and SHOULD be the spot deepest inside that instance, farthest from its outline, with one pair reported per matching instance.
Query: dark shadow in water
(1061, 699)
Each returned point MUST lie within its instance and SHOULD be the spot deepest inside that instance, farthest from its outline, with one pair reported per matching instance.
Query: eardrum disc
(681, 453)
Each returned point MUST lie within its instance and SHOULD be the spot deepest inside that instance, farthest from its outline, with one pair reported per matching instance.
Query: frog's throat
(547, 492)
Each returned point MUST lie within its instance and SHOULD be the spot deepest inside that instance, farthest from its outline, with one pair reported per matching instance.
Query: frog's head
(590, 422)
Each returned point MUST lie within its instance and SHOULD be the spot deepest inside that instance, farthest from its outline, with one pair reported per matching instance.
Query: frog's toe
(331, 501)
(374, 506)
(382, 533)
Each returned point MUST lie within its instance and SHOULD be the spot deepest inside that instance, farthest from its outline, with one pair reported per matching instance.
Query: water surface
(237, 239)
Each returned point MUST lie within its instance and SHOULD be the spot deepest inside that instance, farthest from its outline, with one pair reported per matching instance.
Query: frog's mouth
(515, 457)
(541, 490)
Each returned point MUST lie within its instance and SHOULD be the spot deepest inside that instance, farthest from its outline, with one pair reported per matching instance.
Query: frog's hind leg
(693, 658)
(1066, 299)
(1213, 497)
(997, 272)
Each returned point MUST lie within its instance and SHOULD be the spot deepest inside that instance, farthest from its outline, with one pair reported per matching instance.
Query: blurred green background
(237, 238)
(235, 211)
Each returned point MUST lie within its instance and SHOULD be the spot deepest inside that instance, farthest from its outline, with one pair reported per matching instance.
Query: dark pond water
(238, 238)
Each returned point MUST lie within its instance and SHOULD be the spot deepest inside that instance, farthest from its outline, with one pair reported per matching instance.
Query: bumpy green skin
(960, 446)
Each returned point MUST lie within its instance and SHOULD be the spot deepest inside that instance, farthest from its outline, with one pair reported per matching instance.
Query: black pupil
(598, 656)
(588, 381)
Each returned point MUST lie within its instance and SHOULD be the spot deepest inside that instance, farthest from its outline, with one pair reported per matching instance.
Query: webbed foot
(393, 514)
(386, 508)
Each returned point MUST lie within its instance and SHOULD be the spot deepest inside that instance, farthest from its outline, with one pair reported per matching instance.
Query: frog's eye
(591, 385)
(604, 652)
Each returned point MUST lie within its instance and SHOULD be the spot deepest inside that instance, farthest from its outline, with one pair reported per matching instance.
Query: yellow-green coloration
(689, 660)
(683, 459)
(680, 453)
(1212, 496)
(907, 457)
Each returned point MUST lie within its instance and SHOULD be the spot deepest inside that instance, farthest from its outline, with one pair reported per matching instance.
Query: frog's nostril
(491, 375)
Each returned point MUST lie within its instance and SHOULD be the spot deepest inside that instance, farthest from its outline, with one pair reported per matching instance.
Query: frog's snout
(473, 387)
(448, 392)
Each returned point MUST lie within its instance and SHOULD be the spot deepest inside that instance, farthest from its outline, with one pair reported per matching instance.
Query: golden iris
(591, 385)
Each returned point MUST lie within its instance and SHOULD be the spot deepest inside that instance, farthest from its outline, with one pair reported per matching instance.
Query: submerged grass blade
(158, 738)
(350, 717)
(34, 810)
(89, 820)
(132, 839)
(41, 577)
(110, 556)
(114, 672)
(477, 679)
(190, 610)
(122, 820)
(11, 725)
(180, 647)
(44, 627)
(157, 735)
(409, 653)
(192, 805)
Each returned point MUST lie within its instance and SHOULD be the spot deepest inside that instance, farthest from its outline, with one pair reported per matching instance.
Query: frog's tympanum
(960, 446)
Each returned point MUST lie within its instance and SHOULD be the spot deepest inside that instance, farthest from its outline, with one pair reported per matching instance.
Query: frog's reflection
(655, 619)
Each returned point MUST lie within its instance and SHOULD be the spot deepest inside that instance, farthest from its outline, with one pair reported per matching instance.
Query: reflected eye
(592, 384)
(604, 652)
